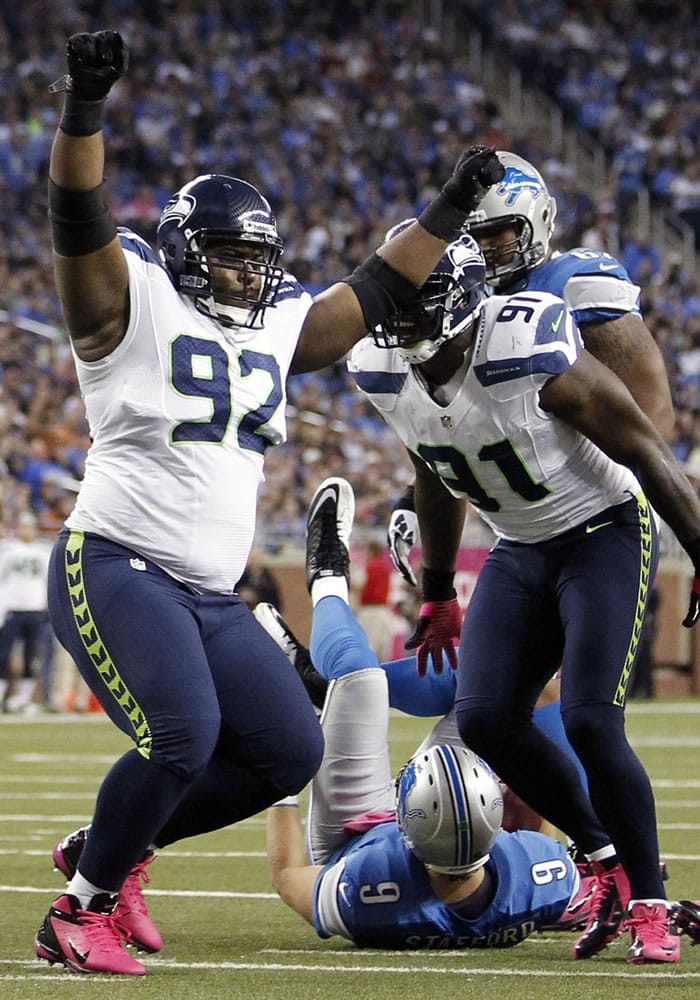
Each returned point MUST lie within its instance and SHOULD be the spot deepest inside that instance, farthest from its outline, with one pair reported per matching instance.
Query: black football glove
(95, 62)
(478, 168)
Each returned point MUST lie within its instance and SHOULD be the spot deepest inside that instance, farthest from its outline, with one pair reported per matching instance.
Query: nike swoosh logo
(607, 267)
(590, 528)
(328, 494)
(78, 955)
(341, 889)
(555, 326)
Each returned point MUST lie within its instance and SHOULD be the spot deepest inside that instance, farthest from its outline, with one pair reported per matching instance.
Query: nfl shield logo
(446, 422)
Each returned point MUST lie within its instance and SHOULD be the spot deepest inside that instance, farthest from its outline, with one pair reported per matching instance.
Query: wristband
(438, 585)
(407, 500)
(288, 800)
(443, 219)
(81, 118)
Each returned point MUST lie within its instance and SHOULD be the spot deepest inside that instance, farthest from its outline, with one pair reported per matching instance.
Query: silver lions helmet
(520, 200)
(449, 808)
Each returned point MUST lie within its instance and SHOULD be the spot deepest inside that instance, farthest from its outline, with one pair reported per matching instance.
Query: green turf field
(227, 935)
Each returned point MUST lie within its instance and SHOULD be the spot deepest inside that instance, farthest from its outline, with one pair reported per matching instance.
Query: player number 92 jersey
(530, 475)
(181, 414)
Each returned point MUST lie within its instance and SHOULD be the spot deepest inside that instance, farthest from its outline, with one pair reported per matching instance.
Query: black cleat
(685, 919)
(328, 527)
(298, 655)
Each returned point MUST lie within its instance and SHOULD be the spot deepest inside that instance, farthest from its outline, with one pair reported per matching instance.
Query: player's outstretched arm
(441, 520)
(627, 347)
(90, 269)
(387, 282)
(293, 878)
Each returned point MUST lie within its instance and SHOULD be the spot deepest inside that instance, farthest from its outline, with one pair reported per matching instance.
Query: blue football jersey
(375, 893)
(594, 285)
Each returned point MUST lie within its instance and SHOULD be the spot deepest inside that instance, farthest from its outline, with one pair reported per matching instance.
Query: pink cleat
(85, 940)
(607, 908)
(132, 918)
(651, 940)
(577, 914)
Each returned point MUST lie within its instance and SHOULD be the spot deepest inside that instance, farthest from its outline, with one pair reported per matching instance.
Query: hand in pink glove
(439, 624)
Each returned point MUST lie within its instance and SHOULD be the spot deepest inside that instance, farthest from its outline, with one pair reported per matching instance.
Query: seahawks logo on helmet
(178, 208)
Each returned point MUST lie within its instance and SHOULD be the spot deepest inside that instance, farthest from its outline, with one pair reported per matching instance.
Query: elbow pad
(80, 221)
(381, 291)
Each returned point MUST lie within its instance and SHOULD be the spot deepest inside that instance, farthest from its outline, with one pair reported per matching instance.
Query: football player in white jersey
(514, 224)
(499, 404)
(182, 356)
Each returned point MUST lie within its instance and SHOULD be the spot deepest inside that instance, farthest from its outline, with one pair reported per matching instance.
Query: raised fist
(95, 63)
(478, 168)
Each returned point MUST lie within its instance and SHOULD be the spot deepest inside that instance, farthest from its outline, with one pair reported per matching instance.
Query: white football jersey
(180, 415)
(24, 568)
(530, 474)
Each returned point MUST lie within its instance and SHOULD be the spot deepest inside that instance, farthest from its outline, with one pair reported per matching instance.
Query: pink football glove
(439, 624)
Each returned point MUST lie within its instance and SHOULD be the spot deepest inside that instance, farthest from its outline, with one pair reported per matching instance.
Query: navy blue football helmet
(451, 299)
(220, 222)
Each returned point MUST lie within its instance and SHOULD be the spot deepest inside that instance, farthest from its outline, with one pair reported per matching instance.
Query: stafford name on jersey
(506, 937)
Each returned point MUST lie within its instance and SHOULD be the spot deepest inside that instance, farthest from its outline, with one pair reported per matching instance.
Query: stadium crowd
(346, 120)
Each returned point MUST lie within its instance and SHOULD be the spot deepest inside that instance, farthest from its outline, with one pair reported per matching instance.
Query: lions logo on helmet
(520, 201)
(449, 808)
(220, 222)
(517, 181)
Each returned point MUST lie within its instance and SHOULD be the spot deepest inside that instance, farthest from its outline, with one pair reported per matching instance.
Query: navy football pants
(578, 601)
(220, 719)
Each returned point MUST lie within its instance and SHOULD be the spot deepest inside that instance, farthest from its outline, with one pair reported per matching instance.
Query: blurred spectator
(24, 564)
(640, 256)
(258, 583)
(373, 609)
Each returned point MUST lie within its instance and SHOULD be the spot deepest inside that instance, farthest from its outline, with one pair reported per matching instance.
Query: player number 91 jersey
(530, 475)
